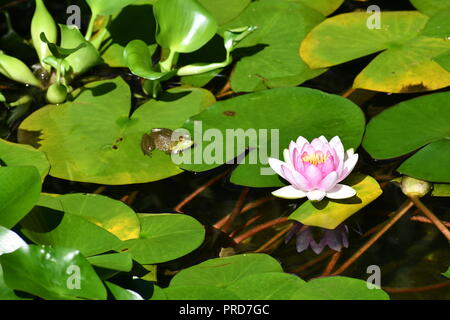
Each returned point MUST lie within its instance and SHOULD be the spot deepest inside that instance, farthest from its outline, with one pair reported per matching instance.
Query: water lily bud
(56, 93)
(16, 70)
(414, 187)
(42, 22)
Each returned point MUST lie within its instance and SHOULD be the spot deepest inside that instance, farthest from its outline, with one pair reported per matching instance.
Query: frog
(165, 140)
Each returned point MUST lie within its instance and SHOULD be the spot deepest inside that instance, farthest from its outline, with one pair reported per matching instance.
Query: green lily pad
(223, 272)
(224, 10)
(183, 25)
(109, 214)
(325, 7)
(94, 139)
(140, 24)
(406, 63)
(120, 293)
(113, 261)
(441, 190)
(19, 191)
(51, 272)
(53, 227)
(271, 51)
(15, 154)
(338, 288)
(9, 241)
(447, 273)
(165, 237)
(394, 133)
(198, 292)
(267, 286)
(5, 292)
(430, 7)
(293, 112)
(329, 214)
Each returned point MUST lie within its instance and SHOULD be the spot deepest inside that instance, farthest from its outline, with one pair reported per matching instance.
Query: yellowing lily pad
(94, 139)
(407, 63)
(329, 214)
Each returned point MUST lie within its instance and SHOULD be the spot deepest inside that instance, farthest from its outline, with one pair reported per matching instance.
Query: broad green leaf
(325, 7)
(224, 10)
(140, 24)
(139, 59)
(5, 292)
(223, 272)
(329, 214)
(441, 190)
(53, 227)
(338, 288)
(82, 59)
(51, 273)
(406, 63)
(198, 292)
(447, 273)
(109, 214)
(438, 25)
(431, 163)
(9, 241)
(282, 114)
(165, 237)
(19, 191)
(267, 286)
(108, 7)
(14, 154)
(183, 25)
(271, 51)
(410, 125)
(120, 293)
(430, 7)
(114, 261)
(94, 139)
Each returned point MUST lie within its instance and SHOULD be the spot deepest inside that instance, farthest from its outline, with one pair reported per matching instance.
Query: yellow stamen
(315, 158)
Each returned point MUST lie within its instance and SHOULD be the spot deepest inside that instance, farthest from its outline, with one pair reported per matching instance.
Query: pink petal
(289, 192)
(341, 191)
(295, 178)
(349, 165)
(301, 142)
(316, 195)
(328, 166)
(276, 164)
(313, 175)
(317, 144)
(328, 182)
(336, 144)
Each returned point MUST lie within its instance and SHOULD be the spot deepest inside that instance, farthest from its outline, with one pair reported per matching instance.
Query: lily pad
(19, 191)
(15, 154)
(51, 273)
(406, 63)
(430, 7)
(394, 133)
(267, 286)
(120, 293)
(223, 272)
(164, 237)
(338, 288)
(325, 7)
(113, 261)
(109, 214)
(198, 292)
(108, 7)
(329, 214)
(271, 51)
(276, 115)
(94, 139)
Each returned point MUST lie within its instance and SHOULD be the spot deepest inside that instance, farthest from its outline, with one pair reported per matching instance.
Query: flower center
(315, 158)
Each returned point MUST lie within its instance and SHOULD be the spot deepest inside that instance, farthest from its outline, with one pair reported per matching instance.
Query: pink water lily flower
(315, 169)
